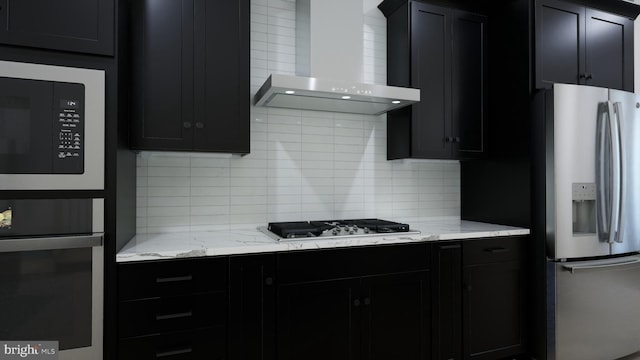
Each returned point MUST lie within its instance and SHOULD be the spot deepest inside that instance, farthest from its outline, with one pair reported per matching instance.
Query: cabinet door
(446, 297)
(319, 321)
(469, 84)
(430, 71)
(222, 98)
(162, 75)
(396, 317)
(252, 307)
(493, 310)
(85, 26)
(609, 50)
(559, 43)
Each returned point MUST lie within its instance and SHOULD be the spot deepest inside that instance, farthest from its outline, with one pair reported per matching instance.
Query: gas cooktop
(332, 229)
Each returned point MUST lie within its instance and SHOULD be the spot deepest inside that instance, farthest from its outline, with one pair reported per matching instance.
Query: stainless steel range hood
(308, 93)
(329, 45)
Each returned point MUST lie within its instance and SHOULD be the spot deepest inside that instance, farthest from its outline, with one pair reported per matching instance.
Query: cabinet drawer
(160, 315)
(490, 250)
(171, 277)
(202, 344)
(318, 265)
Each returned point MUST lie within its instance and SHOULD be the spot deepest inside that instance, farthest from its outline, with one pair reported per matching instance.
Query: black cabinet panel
(575, 44)
(396, 321)
(493, 313)
(252, 307)
(430, 72)
(315, 321)
(85, 26)
(192, 345)
(447, 61)
(609, 52)
(469, 88)
(191, 75)
(560, 43)
(493, 297)
(446, 294)
(162, 49)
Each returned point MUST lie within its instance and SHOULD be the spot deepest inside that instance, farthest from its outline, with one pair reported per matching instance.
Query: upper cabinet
(575, 44)
(85, 26)
(443, 52)
(190, 75)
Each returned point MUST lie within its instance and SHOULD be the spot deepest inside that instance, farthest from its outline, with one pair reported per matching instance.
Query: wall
(304, 165)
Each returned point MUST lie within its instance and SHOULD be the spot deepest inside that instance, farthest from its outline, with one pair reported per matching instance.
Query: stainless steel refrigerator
(591, 163)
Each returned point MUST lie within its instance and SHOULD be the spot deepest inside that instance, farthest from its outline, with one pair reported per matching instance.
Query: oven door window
(46, 295)
(25, 126)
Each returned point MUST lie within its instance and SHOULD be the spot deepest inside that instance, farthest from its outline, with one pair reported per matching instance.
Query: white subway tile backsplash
(303, 165)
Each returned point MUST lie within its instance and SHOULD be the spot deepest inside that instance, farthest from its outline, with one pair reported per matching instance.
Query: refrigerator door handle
(603, 166)
(578, 267)
(617, 172)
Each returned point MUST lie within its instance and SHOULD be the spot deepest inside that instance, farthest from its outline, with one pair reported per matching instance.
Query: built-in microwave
(52, 127)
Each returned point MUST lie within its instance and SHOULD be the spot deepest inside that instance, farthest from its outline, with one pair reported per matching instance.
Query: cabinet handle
(496, 250)
(582, 76)
(174, 279)
(448, 139)
(174, 352)
(456, 139)
(186, 125)
(468, 288)
(356, 302)
(199, 125)
(367, 301)
(175, 316)
(268, 281)
(589, 76)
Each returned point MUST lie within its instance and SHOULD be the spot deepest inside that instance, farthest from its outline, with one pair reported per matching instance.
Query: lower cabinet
(173, 309)
(493, 298)
(461, 299)
(377, 309)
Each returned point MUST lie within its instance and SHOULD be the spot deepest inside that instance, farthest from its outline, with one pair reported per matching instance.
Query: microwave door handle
(617, 171)
(602, 179)
(51, 243)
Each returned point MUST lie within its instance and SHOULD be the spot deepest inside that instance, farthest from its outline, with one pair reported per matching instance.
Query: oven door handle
(51, 243)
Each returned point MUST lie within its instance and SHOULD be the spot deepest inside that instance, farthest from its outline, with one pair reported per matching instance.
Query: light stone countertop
(250, 241)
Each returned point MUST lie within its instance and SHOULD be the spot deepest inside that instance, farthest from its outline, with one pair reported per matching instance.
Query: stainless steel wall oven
(51, 274)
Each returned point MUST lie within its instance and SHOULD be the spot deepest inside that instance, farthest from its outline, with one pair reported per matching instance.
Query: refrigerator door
(627, 109)
(573, 115)
(594, 312)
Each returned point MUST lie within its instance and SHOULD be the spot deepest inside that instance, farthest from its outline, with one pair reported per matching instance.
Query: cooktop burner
(299, 230)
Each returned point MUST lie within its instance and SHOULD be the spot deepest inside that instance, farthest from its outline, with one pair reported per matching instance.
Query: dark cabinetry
(252, 296)
(493, 298)
(85, 26)
(478, 299)
(190, 75)
(371, 303)
(447, 321)
(443, 52)
(575, 44)
(173, 308)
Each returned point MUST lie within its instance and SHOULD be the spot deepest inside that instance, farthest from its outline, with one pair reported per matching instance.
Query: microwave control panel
(69, 123)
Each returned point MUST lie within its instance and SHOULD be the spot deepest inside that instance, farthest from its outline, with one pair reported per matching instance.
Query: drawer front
(189, 345)
(161, 315)
(171, 277)
(490, 250)
(316, 265)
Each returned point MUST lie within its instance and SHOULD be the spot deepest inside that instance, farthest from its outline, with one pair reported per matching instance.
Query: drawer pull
(173, 352)
(175, 316)
(174, 279)
(496, 250)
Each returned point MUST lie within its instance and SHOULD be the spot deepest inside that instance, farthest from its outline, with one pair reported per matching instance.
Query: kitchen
(303, 165)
